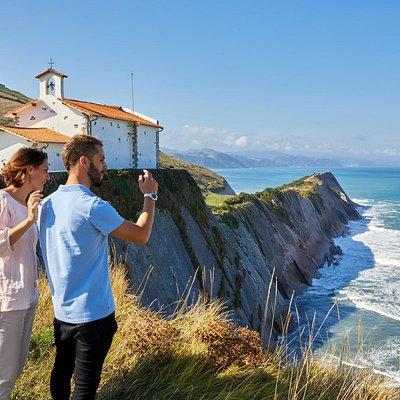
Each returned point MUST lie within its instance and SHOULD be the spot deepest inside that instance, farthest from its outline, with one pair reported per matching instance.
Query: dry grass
(196, 355)
(306, 186)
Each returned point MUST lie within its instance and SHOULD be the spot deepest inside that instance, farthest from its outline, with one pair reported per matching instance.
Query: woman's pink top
(18, 264)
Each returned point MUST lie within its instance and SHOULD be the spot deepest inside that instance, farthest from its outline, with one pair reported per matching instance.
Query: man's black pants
(81, 350)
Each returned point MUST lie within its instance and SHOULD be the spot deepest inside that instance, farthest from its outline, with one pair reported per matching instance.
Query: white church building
(131, 140)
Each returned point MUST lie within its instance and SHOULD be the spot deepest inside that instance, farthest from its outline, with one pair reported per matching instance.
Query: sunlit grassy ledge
(197, 354)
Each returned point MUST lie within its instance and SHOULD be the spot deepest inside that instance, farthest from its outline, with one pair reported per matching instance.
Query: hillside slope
(9, 99)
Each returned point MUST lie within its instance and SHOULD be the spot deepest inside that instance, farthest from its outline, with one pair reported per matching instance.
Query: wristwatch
(152, 196)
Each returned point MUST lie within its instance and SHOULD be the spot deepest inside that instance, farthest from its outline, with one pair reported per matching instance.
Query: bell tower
(51, 82)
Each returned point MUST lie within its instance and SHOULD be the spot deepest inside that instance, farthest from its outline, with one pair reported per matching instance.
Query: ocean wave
(366, 305)
(366, 278)
(376, 287)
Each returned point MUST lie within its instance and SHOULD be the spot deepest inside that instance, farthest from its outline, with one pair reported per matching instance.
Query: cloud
(388, 152)
(191, 136)
(321, 145)
(235, 141)
(241, 141)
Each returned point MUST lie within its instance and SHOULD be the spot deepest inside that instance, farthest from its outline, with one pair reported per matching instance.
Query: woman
(24, 175)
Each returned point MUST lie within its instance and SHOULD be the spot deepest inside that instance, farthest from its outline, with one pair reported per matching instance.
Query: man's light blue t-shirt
(74, 225)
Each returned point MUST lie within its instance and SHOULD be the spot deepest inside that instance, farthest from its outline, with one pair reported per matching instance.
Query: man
(74, 225)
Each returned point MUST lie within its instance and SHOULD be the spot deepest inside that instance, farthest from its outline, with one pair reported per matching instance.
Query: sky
(314, 78)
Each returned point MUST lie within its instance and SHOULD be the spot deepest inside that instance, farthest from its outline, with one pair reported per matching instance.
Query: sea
(351, 312)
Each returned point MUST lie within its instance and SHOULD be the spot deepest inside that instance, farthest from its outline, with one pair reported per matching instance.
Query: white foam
(367, 277)
(365, 305)
(376, 288)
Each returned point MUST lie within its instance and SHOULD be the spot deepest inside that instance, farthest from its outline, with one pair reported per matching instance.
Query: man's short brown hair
(78, 146)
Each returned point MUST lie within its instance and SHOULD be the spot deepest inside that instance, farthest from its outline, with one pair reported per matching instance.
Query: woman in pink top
(25, 175)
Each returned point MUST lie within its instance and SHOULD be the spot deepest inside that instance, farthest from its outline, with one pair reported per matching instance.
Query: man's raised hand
(147, 184)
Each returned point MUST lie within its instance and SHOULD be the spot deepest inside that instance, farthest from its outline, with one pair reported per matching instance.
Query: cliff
(232, 253)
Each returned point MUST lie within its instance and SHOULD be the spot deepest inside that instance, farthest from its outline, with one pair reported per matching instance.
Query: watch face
(153, 196)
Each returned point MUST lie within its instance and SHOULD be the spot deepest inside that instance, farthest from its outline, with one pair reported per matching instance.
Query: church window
(111, 123)
(119, 139)
(76, 125)
(32, 118)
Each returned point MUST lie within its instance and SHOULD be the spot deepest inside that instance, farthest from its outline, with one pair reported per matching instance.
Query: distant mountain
(210, 158)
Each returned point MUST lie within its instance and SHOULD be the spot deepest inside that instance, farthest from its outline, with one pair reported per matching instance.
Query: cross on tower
(51, 63)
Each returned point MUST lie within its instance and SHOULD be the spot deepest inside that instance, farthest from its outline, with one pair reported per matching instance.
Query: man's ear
(84, 162)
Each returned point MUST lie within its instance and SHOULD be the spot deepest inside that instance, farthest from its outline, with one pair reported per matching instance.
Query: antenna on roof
(133, 98)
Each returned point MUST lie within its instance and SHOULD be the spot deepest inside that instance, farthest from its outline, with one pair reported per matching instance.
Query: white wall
(117, 141)
(53, 150)
(146, 147)
(7, 139)
(50, 113)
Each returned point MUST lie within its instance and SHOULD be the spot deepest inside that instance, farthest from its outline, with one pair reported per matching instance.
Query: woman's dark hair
(14, 172)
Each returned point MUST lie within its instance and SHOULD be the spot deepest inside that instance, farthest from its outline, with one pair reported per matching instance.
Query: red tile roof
(13, 112)
(108, 111)
(94, 109)
(39, 135)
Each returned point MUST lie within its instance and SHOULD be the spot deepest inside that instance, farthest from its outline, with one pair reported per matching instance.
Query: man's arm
(140, 231)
